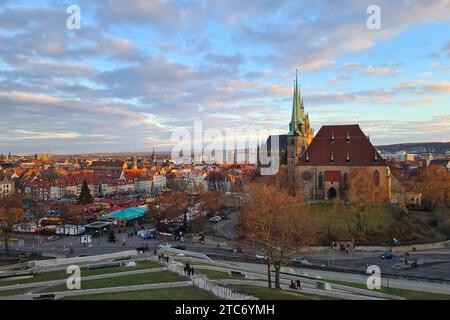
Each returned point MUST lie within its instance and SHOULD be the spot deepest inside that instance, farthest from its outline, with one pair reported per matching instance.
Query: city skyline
(136, 70)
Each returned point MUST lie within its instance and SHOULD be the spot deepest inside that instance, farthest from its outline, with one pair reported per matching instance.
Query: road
(337, 260)
(349, 277)
(226, 227)
(258, 271)
(309, 285)
(61, 248)
(360, 262)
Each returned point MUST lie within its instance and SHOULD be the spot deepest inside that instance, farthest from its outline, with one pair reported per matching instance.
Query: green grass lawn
(185, 293)
(275, 294)
(380, 222)
(408, 294)
(61, 274)
(138, 279)
(14, 292)
(379, 217)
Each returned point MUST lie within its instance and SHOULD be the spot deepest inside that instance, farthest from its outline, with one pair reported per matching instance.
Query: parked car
(164, 246)
(146, 235)
(179, 247)
(53, 238)
(387, 256)
(261, 257)
(301, 261)
(215, 219)
(174, 229)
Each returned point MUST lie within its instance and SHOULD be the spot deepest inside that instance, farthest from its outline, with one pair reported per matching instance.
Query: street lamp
(185, 219)
(332, 248)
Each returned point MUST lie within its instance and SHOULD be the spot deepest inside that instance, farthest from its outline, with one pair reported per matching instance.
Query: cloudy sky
(137, 70)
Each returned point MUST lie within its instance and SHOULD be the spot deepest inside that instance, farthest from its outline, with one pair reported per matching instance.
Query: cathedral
(300, 135)
(321, 165)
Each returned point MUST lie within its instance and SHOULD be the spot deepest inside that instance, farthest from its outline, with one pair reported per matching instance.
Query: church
(320, 165)
(300, 132)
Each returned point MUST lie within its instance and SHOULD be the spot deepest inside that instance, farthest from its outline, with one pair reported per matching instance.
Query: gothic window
(320, 180)
(345, 180)
(376, 178)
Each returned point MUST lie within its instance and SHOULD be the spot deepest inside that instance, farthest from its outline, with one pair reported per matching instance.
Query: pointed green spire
(293, 125)
(298, 102)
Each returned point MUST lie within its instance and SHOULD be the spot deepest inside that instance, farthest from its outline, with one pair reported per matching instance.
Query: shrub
(444, 227)
(433, 222)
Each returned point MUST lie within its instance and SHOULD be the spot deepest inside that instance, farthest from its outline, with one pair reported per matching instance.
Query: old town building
(320, 166)
(323, 171)
(6, 185)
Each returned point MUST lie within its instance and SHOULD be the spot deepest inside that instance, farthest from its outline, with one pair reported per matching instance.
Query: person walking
(192, 271)
(292, 285)
(298, 284)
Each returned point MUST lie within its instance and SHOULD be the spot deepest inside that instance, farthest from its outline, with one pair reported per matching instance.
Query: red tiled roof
(107, 163)
(359, 149)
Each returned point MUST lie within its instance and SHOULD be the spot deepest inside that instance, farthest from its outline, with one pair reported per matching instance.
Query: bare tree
(434, 184)
(166, 207)
(211, 200)
(38, 212)
(279, 222)
(11, 213)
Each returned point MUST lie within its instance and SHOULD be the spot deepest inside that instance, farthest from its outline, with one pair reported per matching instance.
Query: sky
(136, 71)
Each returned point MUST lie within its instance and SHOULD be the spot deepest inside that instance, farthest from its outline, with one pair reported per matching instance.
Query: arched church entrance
(331, 193)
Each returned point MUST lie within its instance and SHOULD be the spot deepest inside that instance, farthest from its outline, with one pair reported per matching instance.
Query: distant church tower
(153, 158)
(300, 133)
(135, 163)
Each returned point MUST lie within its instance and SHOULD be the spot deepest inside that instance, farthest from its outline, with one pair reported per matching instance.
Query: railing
(204, 283)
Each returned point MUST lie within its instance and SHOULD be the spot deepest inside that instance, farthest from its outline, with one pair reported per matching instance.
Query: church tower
(153, 158)
(300, 133)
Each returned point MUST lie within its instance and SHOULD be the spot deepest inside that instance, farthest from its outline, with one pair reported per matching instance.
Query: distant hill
(417, 147)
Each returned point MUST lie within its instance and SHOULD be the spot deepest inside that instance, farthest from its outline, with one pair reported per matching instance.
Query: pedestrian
(155, 252)
(292, 285)
(298, 284)
(192, 271)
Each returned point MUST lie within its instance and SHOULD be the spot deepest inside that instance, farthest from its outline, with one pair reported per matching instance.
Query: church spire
(293, 125)
(299, 100)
